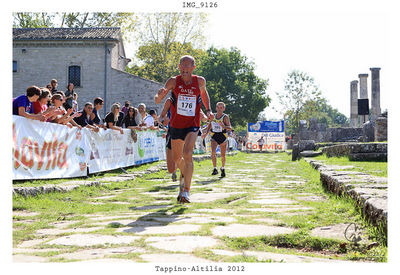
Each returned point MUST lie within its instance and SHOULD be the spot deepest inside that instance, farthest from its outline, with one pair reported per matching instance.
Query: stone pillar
(375, 94)
(353, 104)
(363, 94)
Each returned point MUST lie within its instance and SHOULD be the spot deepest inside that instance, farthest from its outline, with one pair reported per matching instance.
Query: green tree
(127, 21)
(33, 20)
(162, 38)
(161, 62)
(299, 88)
(230, 78)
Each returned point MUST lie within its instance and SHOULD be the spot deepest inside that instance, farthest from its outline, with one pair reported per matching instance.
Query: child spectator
(22, 105)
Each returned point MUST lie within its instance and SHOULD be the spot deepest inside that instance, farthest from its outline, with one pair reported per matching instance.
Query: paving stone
(209, 197)
(284, 182)
(273, 201)
(103, 197)
(311, 198)
(151, 207)
(169, 229)
(218, 210)
(249, 230)
(91, 239)
(32, 250)
(19, 258)
(63, 224)
(114, 179)
(24, 213)
(108, 218)
(173, 258)
(99, 253)
(181, 243)
(32, 243)
(57, 231)
(267, 220)
(336, 231)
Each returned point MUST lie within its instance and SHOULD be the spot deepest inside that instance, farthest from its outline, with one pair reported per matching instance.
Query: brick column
(375, 94)
(353, 103)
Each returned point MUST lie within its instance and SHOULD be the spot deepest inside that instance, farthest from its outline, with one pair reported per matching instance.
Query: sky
(333, 48)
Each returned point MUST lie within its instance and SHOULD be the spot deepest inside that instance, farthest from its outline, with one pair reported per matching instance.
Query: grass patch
(375, 168)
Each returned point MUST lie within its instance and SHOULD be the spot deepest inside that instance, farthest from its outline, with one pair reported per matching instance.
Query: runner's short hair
(221, 103)
(191, 58)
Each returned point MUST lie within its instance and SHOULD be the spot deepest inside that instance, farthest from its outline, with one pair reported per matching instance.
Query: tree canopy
(303, 100)
(231, 78)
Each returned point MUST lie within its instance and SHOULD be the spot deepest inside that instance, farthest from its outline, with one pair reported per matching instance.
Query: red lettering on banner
(53, 154)
(63, 163)
(26, 142)
(16, 151)
(39, 157)
(48, 156)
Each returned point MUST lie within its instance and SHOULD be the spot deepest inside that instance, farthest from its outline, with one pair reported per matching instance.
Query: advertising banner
(272, 134)
(112, 150)
(266, 126)
(48, 150)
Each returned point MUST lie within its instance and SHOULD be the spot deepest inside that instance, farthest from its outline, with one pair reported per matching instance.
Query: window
(74, 75)
(15, 66)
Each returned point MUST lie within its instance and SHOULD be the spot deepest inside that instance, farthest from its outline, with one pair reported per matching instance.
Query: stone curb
(71, 185)
(368, 192)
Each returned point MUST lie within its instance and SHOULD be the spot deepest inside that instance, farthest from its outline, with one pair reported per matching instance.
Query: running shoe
(215, 172)
(174, 176)
(222, 173)
(181, 186)
(185, 197)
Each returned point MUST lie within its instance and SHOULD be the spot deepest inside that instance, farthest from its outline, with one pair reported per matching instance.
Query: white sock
(222, 168)
(215, 168)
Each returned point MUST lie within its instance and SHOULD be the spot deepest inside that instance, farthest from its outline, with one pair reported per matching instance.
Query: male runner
(188, 92)
(165, 117)
(219, 128)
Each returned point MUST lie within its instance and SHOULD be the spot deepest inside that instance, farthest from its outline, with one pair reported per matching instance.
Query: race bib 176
(186, 105)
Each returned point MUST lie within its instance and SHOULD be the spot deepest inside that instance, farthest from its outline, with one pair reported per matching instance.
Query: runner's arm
(227, 123)
(161, 94)
(205, 98)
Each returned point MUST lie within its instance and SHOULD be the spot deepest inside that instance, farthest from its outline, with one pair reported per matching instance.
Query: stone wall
(358, 151)
(343, 134)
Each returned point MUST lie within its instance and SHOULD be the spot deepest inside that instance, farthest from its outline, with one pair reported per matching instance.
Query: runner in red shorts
(187, 95)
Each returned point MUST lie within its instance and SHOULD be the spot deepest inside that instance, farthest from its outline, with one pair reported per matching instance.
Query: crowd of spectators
(49, 104)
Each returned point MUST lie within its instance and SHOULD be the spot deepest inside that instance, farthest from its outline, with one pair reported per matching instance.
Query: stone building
(92, 58)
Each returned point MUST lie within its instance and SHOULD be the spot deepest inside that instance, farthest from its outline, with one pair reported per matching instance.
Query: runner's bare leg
(177, 153)
(214, 145)
(190, 141)
(222, 148)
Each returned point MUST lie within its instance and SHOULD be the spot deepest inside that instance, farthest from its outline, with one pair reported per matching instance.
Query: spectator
(75, 103)
(129, 120)
(120, 116)
(141, 115)
(63, 117)
(69, 94)
(40, 106)
(95, 116)
(261, 143)
(54, 85)
(149, 119)
(112, 118)
(22, 105)
(84, 120)
(125, 108)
